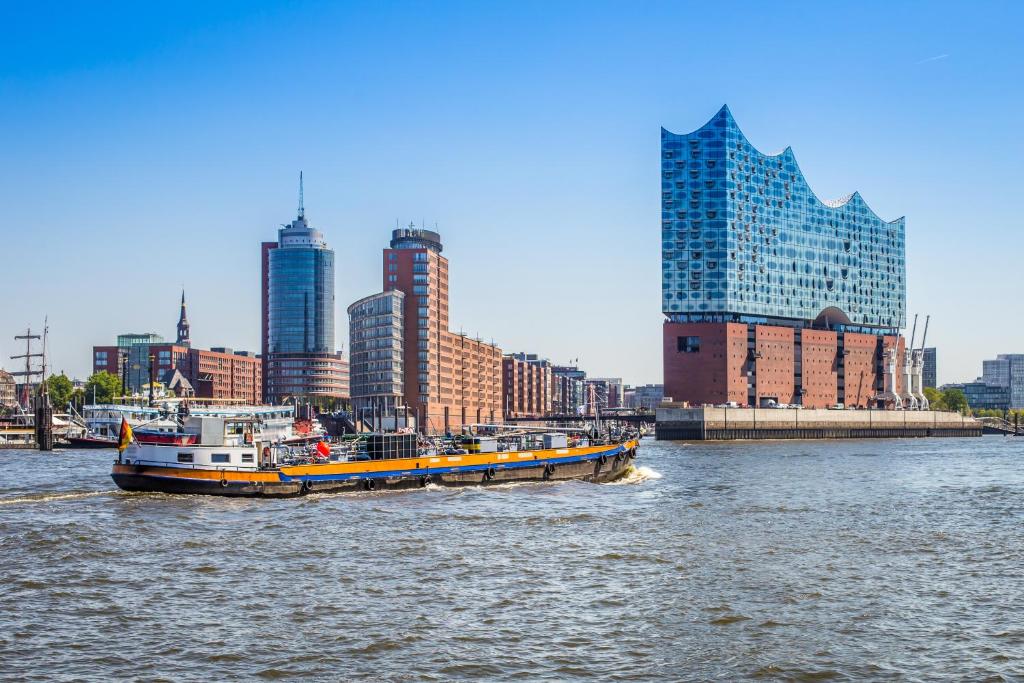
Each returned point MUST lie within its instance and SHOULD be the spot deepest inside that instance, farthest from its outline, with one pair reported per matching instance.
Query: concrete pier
(723, 424)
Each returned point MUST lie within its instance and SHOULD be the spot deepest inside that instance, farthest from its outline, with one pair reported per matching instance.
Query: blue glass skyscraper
(300, 359)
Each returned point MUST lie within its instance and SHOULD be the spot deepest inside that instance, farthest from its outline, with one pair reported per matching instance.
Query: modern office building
(299, 357)
(526, 385)
(983, 396)
(1006, 370)
(611, 391)
(771, 294)
(570, 393)
(449, 380)
(645, 397)
(376, 349)
(216, 373)
(929, 369)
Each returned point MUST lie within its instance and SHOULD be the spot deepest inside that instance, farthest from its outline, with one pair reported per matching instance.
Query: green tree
(935, 400)
(105, 385)
(60, 389)
(954, 400)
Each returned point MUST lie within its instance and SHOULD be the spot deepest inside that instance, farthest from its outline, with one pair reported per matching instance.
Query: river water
(814, 560)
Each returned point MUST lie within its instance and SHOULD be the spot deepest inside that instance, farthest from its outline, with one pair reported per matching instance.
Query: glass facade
(376, 350)
(745, 239)
(300, 358)
(301, 300)
(1006, 370)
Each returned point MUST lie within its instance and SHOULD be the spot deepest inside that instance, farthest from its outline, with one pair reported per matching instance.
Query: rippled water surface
(795, 560)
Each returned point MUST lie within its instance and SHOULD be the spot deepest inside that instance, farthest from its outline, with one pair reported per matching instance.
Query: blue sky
(143, 147)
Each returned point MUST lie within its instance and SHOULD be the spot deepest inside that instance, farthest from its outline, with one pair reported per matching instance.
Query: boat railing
(189, 466)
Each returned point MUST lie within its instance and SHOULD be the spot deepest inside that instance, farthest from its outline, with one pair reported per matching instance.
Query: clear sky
(145, 147)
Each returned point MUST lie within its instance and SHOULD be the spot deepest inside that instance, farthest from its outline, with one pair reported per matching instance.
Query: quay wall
(723, 424)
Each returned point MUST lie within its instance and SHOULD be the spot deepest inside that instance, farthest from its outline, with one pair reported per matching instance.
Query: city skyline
(538, 164)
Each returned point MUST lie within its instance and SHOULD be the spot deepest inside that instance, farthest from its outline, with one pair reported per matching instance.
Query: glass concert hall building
(770, 293)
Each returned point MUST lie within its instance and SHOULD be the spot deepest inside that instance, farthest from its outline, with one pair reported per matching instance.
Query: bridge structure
(997, 425)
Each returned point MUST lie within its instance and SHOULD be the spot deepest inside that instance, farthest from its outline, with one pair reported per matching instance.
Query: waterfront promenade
(714, 424)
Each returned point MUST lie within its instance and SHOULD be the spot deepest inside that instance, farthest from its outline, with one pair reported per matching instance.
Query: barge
(231, 457)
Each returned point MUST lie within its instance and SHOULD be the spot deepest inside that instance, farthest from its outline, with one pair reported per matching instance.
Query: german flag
(124, 439)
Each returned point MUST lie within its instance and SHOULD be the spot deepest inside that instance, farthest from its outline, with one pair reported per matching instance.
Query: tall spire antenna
(302, 208)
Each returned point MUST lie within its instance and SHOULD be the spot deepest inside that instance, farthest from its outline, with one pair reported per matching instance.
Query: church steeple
(183, 336)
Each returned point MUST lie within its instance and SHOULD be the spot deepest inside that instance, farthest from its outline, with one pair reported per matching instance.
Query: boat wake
(636, 475)
(49, 497)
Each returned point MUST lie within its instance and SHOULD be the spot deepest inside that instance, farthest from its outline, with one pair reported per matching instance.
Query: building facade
(376, 348)
(645, 397)
(450, 379)
(526, 385)
(1006, 370)
(983, 396)
(929, 368)
(8, 390)
(216, 373)
(299, 357)
(611, 391)
(569, 390)
(771, 295)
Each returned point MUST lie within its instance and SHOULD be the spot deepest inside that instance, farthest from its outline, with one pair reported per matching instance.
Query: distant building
(568, 390)
(449, 379)
(129, 359)
(929, 371)
(646, 397)
(299, 357)
(770, 294)
(8, 390)
(1006, 370)
(376, 347)
(217, 373)
(613, 391)
(526, 385)
(983, 396)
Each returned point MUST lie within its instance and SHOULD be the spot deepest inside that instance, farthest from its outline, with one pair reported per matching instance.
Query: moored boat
(91, 441)
(231, 458)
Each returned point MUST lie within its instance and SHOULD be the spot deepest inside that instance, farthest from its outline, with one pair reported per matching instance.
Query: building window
(688, 344)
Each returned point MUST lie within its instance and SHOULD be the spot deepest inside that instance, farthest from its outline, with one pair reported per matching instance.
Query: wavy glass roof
(743, 235)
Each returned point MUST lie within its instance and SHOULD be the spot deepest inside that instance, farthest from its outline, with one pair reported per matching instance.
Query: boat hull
(597, 465)
(90, 442)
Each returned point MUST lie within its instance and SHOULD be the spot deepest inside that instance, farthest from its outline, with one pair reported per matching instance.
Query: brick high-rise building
(449, 379)
(770, 294)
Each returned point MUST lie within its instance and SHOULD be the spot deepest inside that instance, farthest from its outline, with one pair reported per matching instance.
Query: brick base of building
(749, 365)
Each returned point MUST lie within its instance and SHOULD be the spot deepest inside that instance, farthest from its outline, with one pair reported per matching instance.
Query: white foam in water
(636, 475)
(48, 497)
